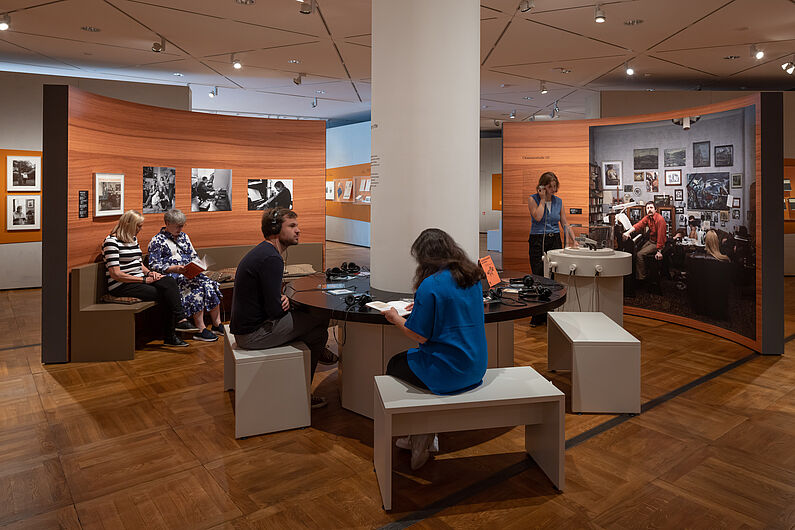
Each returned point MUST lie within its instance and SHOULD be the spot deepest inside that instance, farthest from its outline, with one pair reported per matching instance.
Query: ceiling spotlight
(526, 97)
(630, 70)
(314, 103)
(236, 64)
(544, 88)
(307, 7)
(214, 92)
(297, 79)
(5, 22)
(178, 74)
(756, 53)
(320, 91)
(512, 115)
(599, 16)
(526, 5)
(555, 110)
(158, 47)
(789, 66)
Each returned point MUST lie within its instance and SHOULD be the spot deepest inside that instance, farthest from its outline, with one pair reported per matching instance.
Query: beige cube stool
(603, 357)
(272, 386)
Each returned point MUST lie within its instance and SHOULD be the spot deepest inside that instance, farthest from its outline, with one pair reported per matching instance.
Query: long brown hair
(712, 246)
(435, 250)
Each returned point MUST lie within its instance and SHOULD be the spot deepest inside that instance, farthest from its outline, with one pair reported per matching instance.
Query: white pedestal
(367, 349)
(604, 360)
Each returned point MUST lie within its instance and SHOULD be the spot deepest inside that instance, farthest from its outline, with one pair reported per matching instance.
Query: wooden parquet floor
(149, 443)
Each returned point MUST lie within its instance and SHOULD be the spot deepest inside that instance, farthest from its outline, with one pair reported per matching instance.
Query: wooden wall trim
(531, 148)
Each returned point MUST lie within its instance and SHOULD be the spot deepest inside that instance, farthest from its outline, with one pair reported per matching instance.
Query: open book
(195, 267)
(400, 305)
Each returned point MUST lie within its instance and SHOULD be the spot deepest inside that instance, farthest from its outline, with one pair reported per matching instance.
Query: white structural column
(425, 130)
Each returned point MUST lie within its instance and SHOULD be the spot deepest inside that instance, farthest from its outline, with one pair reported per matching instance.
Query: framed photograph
(270, 193)
(210, 190)
(679, 194)
(735, 202)
(159, 188)
(647, 158)
(652, 182)
(701, 154)
(611, 172)
(680, 210)
(735, 214)
(639, 176)
(23, 212)
(724, 215)
(787, 185)
(715, 217)
(627, 188)
(675, 157)
(724, 155)
(737, 180)
(673, 177)
(635, 213)
(329, 190)
(23, 173)
(108, 194)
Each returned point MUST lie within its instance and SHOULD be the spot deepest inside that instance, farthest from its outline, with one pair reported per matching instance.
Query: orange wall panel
(496, 191)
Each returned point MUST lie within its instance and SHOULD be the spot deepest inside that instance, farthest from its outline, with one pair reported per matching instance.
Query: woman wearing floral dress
(169, 252)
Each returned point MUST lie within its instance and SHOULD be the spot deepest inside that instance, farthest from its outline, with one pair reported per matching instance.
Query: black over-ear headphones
(335, 273)
(537, 292)
(360, 301)
(276, 221)
(350, 267)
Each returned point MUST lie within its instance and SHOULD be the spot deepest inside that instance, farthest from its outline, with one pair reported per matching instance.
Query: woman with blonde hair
(712, 246)
(128, 276)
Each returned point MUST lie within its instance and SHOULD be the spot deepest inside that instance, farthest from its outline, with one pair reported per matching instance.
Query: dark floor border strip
(787, 339)
(20, 347)
(524, 465)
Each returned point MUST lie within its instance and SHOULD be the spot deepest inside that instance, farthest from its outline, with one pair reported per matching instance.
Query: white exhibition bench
(508, 397)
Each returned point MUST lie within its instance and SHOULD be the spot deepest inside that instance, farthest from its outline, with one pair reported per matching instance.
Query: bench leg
(545, 442)
(229, 364)
(382, 450)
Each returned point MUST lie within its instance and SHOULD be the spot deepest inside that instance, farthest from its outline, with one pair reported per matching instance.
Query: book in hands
(399, 305)
(194, 268)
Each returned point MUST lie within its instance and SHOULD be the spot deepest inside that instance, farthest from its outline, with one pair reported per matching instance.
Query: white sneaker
(420, 444)
(405, 443)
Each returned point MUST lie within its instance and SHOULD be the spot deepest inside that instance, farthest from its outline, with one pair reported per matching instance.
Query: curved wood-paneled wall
(113, 136)
(531, 148)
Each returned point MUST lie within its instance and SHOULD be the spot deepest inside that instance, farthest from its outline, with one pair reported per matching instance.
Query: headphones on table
(341, 272)
(350, 267)
(357, 301)
(537, 292)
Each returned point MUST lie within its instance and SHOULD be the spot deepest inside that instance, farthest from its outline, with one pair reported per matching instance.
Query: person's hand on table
(392, 316)
(285, 303)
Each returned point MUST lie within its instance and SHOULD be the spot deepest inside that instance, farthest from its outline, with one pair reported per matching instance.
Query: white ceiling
(680, 44)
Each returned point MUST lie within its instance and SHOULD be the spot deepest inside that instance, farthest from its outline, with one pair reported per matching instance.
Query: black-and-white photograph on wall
(647, 158)
(679, 194)
(737, 180)
(611, 172)
(675, 157)
(23, 212)
(108, 194)
(724, 155)
(23, 173)
(735, 214)
(210, 190)
(701, 154)
(270, 193)
(159, 188)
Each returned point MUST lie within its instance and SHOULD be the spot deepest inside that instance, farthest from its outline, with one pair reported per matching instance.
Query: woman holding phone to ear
(547, 217)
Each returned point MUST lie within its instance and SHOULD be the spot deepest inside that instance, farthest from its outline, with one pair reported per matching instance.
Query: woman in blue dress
(448, 323)
(169, 252)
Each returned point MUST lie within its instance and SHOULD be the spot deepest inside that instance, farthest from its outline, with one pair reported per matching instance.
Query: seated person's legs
(640, 258)
(398, 366)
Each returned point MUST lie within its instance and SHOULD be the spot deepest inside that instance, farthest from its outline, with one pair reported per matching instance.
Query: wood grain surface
(112, 136)
(531, 148)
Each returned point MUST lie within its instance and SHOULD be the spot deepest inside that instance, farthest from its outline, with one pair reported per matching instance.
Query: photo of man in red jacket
(658, 230)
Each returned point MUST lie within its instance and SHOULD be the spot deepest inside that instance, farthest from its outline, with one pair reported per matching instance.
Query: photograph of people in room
(128, 276)
(211, 190)
(261, 314)
(657, 229)
(170, 251)
(448, 323)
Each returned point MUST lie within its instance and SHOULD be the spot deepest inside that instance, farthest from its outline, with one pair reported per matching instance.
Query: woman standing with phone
(547, 218)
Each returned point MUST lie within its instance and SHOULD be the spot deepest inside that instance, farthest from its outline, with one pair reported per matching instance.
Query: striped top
(126, 256)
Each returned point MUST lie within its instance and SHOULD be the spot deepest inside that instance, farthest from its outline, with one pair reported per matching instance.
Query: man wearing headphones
(261, 315)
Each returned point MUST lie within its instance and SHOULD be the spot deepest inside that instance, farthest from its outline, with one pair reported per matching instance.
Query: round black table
(366, 341)
(310, 292)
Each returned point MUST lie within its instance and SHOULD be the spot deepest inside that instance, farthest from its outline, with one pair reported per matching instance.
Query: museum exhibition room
(394, 263)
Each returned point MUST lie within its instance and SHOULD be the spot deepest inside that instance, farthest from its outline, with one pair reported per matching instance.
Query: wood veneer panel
(531, 148)
(112, 136)
(15, 236)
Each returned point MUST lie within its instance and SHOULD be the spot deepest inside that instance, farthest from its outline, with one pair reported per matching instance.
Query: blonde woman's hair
(127, 226)
(712, 246)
